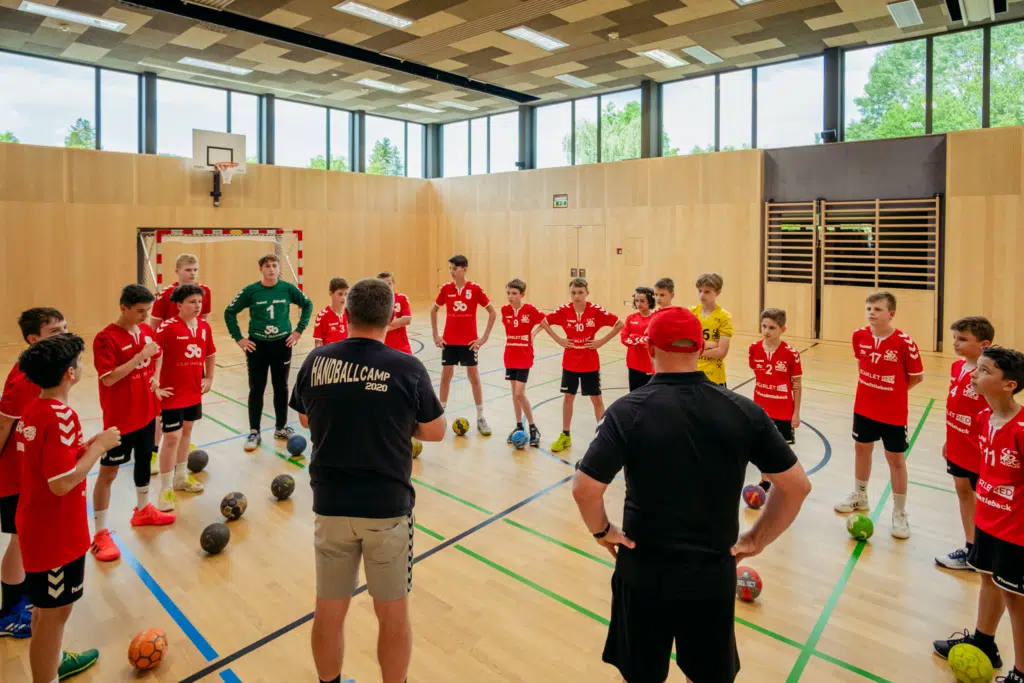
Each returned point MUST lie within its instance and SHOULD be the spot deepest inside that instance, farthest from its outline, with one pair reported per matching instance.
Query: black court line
(287, 628)
(417, 341)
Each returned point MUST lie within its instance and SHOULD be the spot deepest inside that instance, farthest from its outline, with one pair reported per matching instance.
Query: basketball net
(226, 170)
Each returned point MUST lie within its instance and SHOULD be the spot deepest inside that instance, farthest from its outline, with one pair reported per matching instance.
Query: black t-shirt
(685, 444)
(363, 401)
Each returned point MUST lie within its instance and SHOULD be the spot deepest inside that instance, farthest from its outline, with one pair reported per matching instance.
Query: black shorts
(638, 378)
(174, 418)
(962, 472)
(590, 382)
(57, 587)
(140, 441)
(644, 625)
(458, 355)
(8, 509)
(785, 428)
(517, 374)
(1002, 559)
(893, 437)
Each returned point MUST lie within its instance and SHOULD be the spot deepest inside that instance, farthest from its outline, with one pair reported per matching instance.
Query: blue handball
(297, 444)
(520, 439)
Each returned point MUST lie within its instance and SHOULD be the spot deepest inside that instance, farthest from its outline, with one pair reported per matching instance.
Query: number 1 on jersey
(270, 310)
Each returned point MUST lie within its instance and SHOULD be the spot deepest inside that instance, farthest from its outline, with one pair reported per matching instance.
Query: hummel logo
(66, 415)
(182, 338)
(76, 589)
(171, 426)
(55, 579)
(67, 440)
(126, 348)
(66, 427)
(55, 592)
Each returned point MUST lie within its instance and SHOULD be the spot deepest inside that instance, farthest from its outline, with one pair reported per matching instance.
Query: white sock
(899, 502)
(444, 404)
(141, 496)
(479, 412)
(166, 480)
(862, 489)
(101, 520)
(179, 471)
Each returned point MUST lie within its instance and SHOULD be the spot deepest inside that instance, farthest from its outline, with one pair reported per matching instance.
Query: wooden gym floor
(508, 584)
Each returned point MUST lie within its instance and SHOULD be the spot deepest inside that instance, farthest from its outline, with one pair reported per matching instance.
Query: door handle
(583, 272)
(572, 272)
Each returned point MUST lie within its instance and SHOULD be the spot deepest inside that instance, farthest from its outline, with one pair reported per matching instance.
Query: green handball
(860, 527)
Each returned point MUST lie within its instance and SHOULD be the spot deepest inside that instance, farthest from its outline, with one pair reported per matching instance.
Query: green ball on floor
(860, 527)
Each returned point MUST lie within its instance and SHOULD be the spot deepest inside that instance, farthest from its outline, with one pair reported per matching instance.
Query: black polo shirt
(685, 444)
(363, 401)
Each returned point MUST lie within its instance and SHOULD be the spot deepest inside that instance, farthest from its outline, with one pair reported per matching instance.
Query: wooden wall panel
(797, 300)
(842, 312)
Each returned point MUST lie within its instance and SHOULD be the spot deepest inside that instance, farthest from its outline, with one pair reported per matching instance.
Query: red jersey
(634, 337)
(164, 308)
(773, 378)
(1000, 510)
(886, 365)
(52, 530)
(519, 335)
(329, 328)
(581, 328)
(19, 392)
(185, 350)
(962, 406)
(460, 308)
(398, 339)
(128, 404)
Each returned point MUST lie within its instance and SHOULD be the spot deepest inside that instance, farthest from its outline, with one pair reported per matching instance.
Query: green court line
(572, 548)
(433, 534)
(811, 645)
(452, 496)
(929, 486)
(295, 460)
(850, 667)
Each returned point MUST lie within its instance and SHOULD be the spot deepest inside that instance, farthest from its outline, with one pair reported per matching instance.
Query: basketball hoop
(226, 169)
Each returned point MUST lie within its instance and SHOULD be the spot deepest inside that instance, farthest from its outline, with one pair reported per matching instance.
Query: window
(1006, 103)
(478, 146)
(790, 103)
(119, 111)
(504, 142)
(885, 91)
(245, 121)
(956, 81)
(620, 126)
(300, 135)
(46, 102)
(414, 150)
(688, 116)
(586, 132)
(456, 149)
(385, 146)
(554, 135)
(180, 107)
(340, 156)
(736, 113)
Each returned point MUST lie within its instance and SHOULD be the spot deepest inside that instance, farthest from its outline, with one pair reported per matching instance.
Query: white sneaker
(188, 484)
(900, 524)
(955, 560)
(482, 426)
(854, 502)
(166, 501)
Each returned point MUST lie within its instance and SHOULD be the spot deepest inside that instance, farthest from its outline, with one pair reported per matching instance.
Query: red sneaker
(150, 516)
(103, 547)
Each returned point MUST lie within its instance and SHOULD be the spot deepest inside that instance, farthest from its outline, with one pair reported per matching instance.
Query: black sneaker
(1014, 676)
(534, 436)
(942, 648)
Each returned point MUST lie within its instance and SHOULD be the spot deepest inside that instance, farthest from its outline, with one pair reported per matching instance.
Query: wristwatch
(605, 532)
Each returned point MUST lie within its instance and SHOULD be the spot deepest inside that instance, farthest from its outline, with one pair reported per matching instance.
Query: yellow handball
(417, 448)
(460, 426)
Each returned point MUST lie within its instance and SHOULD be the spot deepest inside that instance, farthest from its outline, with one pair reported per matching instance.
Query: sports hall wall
(68, 220)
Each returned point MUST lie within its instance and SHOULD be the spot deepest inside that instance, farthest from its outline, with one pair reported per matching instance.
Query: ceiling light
(700, 54)
(420, 107)
(374, 14)
(68, 15)
(905, 14)
(665, 58)
(204, 64)
(741, 3)
(164, 67)
(541, 40)
(458, 105)
(381, 85)
(575, 82)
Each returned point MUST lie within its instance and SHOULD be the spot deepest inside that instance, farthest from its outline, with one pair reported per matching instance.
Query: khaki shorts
(384, 544)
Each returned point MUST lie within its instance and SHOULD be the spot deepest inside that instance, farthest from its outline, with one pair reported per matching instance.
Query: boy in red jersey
(522, 324)
(186, 373)
(19, 391)
(331, 323)
(971, 336)
(634, 338)
(123, 353)
(664, 292)
(52, 512)
(890, 366)
(581, 366)
(998, 548)
(398, 337)
(460, 344)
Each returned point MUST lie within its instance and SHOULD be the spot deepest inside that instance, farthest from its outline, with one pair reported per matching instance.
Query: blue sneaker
(25, 605)
(17, 624)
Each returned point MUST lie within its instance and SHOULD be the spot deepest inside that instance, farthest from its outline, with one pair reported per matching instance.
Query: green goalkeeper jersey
(269, 309)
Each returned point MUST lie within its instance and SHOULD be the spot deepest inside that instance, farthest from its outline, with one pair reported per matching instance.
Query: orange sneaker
(103, 546)
(150, 516)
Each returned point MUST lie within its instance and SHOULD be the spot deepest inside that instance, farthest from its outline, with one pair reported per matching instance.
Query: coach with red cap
(685, 444)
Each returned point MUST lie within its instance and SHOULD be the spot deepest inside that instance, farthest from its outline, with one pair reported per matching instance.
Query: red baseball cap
(674, 324)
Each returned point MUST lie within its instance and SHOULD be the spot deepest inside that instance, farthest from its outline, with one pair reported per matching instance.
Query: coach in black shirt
(685, 444)
(362, 401)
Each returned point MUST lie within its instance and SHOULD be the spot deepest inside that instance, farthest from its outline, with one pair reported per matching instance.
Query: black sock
(984, 640)
(10, 598)
(566, 432)
(533, 427)
(766, 485)
(969, 546)
(519, 426)
(336, 679)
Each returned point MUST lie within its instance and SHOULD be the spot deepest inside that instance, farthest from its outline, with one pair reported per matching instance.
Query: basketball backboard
(209, 147)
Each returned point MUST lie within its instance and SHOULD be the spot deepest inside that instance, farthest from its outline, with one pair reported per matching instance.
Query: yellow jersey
(716, 324)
